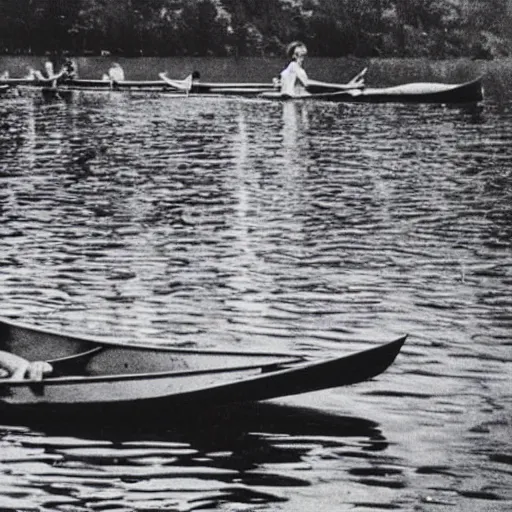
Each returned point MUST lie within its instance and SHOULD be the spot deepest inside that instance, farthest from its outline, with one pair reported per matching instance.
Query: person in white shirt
(116, 73)
(47, 73)
(294, 79)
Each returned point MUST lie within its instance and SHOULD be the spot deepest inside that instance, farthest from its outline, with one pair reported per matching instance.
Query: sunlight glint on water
(245, 224)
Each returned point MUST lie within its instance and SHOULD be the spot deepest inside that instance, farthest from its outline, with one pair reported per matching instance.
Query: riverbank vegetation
(332, 28)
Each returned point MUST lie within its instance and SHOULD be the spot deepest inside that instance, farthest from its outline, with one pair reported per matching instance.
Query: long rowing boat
(95, 376)
(419, 92)
(87, 84)
(190, 86)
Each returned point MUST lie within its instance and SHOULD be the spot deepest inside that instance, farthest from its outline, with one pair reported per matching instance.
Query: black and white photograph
(255, 255)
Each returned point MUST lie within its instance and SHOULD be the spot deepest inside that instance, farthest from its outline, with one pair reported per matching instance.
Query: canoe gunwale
(94, 340)
(147, 375)
(299, 363)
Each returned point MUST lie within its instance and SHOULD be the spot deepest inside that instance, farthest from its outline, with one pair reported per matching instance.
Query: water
(244, 224)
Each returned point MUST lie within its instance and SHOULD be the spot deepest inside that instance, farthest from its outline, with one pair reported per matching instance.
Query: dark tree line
(433, 28)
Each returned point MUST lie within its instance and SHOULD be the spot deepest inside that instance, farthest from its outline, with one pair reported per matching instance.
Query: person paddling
(48, 73)
(70, 69)
(294, 79)
(116, 73)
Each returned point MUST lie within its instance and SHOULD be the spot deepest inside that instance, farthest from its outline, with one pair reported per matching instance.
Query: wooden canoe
(216, 88)
(87, 84)
(168, 85)
(417, 92)
(93, 375)
(420, 92)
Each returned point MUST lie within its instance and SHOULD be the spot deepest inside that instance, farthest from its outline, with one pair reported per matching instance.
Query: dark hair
(290, 49)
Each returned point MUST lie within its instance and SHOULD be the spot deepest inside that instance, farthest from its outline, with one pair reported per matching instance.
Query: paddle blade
(358, 81)
(180, 85)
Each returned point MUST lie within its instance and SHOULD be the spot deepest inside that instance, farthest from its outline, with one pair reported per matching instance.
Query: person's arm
(58, 75)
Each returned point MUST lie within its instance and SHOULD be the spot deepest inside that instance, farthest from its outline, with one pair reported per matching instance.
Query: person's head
(48, 66)
(297, 51)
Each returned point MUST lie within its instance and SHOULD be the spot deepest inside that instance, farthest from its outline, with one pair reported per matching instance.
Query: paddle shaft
(352, 84)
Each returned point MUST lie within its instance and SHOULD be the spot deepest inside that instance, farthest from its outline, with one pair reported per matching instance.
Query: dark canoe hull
(424, 92)
(192, 377)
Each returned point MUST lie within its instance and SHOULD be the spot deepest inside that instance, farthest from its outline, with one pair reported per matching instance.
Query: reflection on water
(257, 225)
(252, 455)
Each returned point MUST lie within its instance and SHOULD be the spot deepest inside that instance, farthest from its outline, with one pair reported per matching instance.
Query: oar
(184, 85)
(353, 85)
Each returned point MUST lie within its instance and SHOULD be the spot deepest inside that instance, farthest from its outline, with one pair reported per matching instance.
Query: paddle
(184, 85)
(353, 86)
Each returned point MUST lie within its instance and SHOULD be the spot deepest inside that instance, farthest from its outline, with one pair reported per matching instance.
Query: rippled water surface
(243, 224)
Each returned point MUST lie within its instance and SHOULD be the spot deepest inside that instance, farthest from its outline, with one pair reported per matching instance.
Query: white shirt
(294, 80)
(48, 68)
(116, 74)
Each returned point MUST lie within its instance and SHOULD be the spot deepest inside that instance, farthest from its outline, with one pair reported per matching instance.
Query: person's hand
(38, 369)
(357, 82)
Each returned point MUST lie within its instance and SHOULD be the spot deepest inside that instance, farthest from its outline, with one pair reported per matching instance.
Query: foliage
(433, 28)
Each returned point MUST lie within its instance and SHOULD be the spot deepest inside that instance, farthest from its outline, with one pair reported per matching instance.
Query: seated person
(116, 73)
(31, 73)
(16, 368)
(294, 79)
(47, 73)
(70, 69)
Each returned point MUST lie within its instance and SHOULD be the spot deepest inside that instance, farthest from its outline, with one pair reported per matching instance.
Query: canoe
(165, 84)
(419, 92)
(88, 84)
(4, 88)
(189, 86)
(95, 375)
